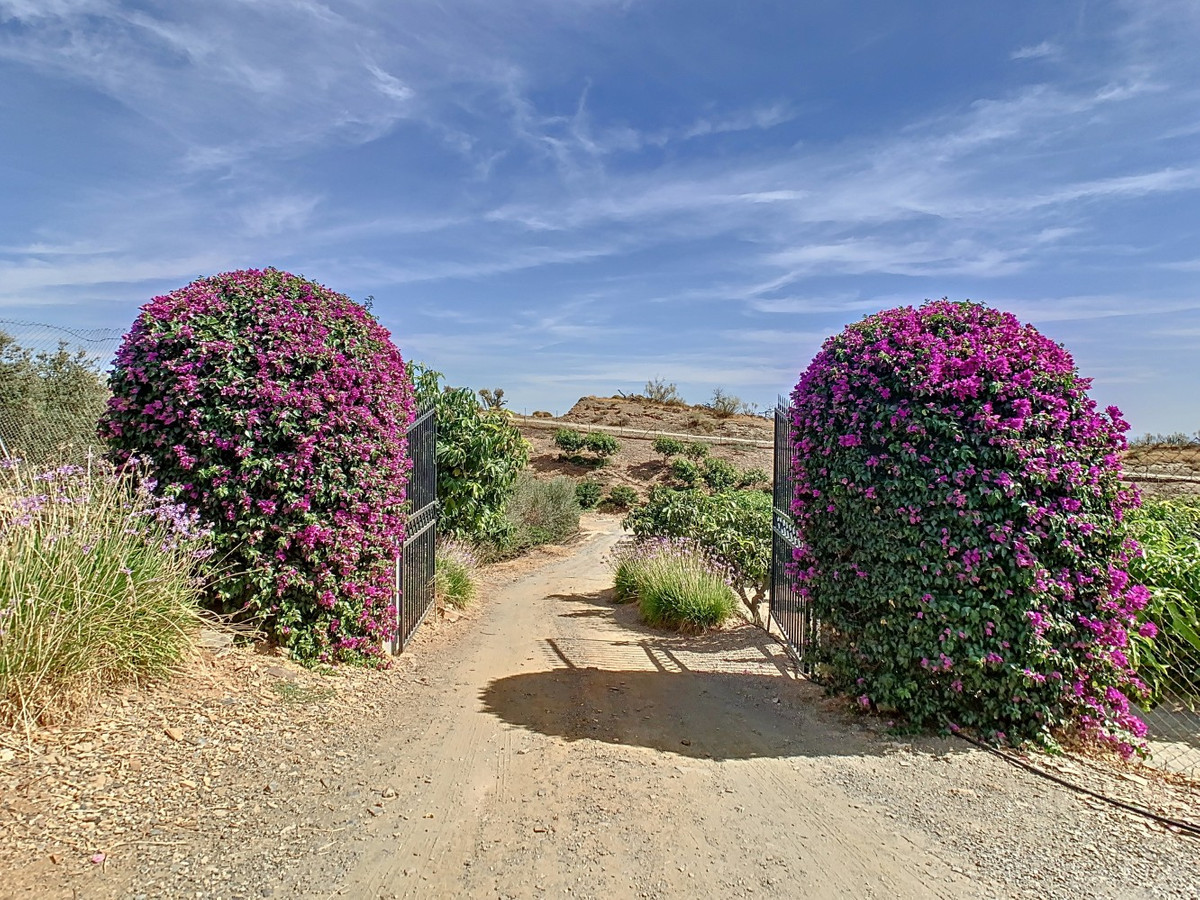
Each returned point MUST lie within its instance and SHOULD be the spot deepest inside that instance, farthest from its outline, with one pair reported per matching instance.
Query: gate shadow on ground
(722, 695)
(705, 715)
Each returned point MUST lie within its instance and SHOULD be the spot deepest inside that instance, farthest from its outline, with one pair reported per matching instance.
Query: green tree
(50, 402)
(480, 453)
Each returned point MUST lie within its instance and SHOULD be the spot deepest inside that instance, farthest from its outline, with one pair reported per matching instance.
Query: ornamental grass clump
(455, 568)
(675, 582)
(277, 409)
(959, 502)
(98, 588)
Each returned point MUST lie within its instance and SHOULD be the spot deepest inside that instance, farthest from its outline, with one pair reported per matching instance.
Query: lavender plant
(455, 566)
(676, 582)
(98, 587)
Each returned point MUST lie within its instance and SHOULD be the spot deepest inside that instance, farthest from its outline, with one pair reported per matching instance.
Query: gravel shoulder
(547, 744)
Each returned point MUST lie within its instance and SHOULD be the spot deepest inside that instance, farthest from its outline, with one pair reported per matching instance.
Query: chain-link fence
(1165, 465)
(53, 388)
(1167, 526)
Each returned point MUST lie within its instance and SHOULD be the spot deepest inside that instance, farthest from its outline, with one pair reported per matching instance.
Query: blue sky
(562, 197)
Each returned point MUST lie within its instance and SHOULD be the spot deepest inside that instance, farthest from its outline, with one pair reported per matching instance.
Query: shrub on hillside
(719, 474)
(686, 472)
(277, 409)
(668, 446)
(724, 404)
(97, 588)
(697, 450)
(568, 440)
(602, 445)
(753, 478)
(622, 496)
(480, 453)
(572, 443)
(661, 391)
(588, 493)
(959, 502)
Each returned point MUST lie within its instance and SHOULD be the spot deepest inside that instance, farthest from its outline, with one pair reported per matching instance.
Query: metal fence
(791, 612)
(53, 388)
(415, 565)
(1164, 465)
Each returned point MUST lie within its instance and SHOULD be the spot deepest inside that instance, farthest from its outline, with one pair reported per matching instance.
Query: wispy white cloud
(1043, 50)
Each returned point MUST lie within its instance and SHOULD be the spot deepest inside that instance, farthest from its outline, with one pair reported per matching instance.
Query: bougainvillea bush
(959, 502)
(277, 409)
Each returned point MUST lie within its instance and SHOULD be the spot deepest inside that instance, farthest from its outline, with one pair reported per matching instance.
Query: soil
(746, 441)
(546, 744)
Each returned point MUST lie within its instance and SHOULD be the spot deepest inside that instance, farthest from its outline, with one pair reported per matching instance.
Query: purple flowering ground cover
(960, 505)
(277, 409)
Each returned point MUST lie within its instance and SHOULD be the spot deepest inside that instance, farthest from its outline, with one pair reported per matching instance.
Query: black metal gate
(415, 565)
(790, 611)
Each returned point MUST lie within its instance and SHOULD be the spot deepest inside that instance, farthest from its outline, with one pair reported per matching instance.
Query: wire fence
(53, 388)
(1165, 465)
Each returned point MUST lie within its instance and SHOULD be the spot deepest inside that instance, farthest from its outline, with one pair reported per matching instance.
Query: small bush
(603, 445)
(676, 583)
(622, 496)
(752, 478)
(697, 450)
(685, 471)
(540, 511)
(568, 440)
(719, 474)
(660, 391)
(588, 493)
(725, 405)
(97, 588)
(703, 424)
(455, 565)
(600, 445)
(668, 446)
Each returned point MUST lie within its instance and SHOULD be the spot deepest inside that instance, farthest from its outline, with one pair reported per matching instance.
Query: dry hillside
(745, 441)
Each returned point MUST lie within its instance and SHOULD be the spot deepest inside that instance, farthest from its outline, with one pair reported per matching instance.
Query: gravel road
(548, 745)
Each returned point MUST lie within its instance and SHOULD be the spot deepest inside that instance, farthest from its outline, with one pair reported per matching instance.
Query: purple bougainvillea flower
(275, 411)
(952, 454)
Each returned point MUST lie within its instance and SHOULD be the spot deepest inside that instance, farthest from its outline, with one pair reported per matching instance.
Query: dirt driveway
(553, 747)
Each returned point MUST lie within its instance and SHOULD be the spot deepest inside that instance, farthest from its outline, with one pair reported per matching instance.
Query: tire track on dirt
(576, 752)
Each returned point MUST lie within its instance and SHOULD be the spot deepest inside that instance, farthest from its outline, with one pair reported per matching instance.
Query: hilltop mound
(676, 418)
(745, 441)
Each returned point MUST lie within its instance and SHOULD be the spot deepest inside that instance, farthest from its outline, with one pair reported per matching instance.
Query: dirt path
(584, 756)
(551, 746)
